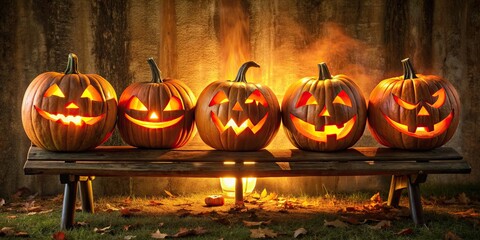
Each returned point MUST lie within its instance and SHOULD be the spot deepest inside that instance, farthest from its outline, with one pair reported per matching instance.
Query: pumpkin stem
(323, 72)
(408, 72)
(156, 73)
(72, 64)
(243, 70)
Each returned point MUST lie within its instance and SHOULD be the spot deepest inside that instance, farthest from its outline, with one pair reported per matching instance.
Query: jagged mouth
(308, 130)
(238, 129)
(154, 125)
(66, 120)
(422, 131)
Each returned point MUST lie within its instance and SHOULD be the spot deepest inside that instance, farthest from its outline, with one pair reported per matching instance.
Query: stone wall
(363, 39)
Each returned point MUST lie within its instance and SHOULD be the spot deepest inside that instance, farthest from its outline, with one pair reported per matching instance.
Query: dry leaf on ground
(154, 203)
(7, 232)
(262, 233)
(299, 232)
(451, 236)
(256, 224)
(169, 193)
(159, 235)
(382, 225)
(185, 232)
(129, 237)
(2, 202)
(102, 230)
(470, 213)
(404, 232)
(336, 224)
(376, 198)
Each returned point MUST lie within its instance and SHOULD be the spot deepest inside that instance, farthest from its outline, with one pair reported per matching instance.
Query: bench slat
(126, 153)
(263, 169)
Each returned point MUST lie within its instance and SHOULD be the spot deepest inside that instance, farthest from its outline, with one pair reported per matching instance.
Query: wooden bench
(408, 169)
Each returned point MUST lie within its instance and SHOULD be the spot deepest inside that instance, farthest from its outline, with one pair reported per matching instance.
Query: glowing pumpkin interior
(153, 120)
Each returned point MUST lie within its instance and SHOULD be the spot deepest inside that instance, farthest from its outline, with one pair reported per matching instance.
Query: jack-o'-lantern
(69, 111)
(413, 111)
(157, 114)
(236, 115)
(325, 113)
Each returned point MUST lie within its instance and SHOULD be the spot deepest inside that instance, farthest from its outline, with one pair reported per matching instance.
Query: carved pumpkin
(413, 111)
(69, 111)
(157, 114)
(324, 114)
(236, 115)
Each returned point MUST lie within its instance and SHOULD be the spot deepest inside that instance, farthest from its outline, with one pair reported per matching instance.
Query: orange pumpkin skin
(414, 111)
(236, 115)
(69, 111)
(325, 113)
(215, 200)
(157, 114)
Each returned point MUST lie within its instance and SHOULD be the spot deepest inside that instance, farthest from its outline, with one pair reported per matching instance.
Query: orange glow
(422, 131)
(174, 104)
(423, 112)
(237, 107)
(54, 90)
(136, 104)
(324, 112)
(72, 106)
(308, 130)
(219, 98)
(306, 99)
(441, 98)
(236, 128)
(154, 125)
(404, 104)
(228, 186)
(343, 98)
(153, 116)
(257, 97)
(92, 94)
(66, 120)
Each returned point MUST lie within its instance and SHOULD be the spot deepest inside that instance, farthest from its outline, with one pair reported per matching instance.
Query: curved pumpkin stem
(243, 70)
(323, 72)
(408, 71)
(72, 64)
(156, 73)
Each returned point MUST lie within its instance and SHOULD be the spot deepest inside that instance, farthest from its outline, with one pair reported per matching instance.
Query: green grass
(440, 218)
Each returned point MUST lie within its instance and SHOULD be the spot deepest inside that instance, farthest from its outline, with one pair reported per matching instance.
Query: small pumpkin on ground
(157, 114)
(214, 200)
(69, 111)
(237, 115)
(413, 111)
(325, 113)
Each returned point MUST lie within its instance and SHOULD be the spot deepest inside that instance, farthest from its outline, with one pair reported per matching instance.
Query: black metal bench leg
(239, 192)
(415, 198)
(86, 194)
(397, 184)
(69, 198)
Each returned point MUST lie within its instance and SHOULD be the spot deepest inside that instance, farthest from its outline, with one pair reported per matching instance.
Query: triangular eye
(440, 94)
(343, 98)
(173, 104)
(306, 99)
(92, 94)
(136, 104)
(219, 98)
(54, 90)
(404, 104)
(257, 97)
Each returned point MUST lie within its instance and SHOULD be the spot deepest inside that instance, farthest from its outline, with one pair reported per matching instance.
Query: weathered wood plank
(126, 153)
(263, 169)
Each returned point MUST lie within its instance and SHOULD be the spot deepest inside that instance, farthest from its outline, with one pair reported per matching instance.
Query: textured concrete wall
(363, 39)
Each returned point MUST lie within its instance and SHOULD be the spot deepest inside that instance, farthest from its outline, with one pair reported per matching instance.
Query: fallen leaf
(336, 224)
(351, 220)
(299, 232)
(185, 232)
(11, 217)
(129, 237)
(7, 232)
(382, 225)
(154, 203)
(184, 212)
(159, 235)
(59, 236)
(470, 213)
(404, 232)
(110, 208)
(271, 196)
(102, 230)
(264, 193)
(256, 224)
(169, 193)
(262, 233)
(2, 202)
(376, 198)
(128, 212)
(21, 234)
(128, 200)
(451, 236)
(81, 224)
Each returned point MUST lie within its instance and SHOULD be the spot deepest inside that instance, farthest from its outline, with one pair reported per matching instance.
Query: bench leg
(68, 209)
(239, 193)
(397, 184)
(86, 194)
(415, 198)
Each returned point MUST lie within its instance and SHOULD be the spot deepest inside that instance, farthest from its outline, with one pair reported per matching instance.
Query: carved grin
(422, 132)
(235, 127)
(154, 125)
(308, 130)
(66, 120)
